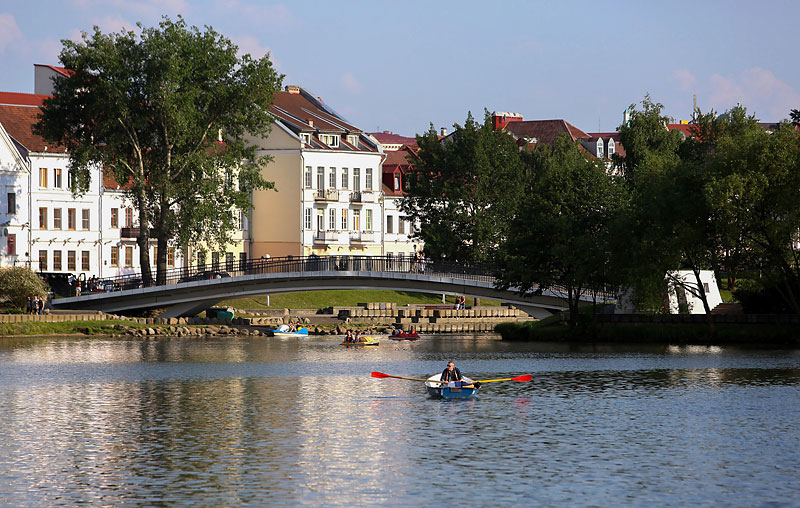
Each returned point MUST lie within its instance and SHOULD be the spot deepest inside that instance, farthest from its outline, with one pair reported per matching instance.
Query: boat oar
(526, 377)
(382, 375)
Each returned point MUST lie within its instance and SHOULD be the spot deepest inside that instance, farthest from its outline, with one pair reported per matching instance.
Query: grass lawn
(342, 298)
(103, 327)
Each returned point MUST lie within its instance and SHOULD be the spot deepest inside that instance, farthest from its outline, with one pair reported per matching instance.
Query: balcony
(362, 237)
(327, 195)
(326, 236)
(360, 197)
(133, 233)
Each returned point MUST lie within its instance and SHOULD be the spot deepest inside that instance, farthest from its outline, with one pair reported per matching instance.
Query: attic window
(599, 147)
(332, 140)
(353, 140)
(306, 137)
(611, 147)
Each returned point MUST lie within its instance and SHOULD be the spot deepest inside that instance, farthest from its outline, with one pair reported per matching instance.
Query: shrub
(18, 283)
(757, 298)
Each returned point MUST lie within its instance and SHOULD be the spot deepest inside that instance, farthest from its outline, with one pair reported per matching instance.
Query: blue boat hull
(439, 391)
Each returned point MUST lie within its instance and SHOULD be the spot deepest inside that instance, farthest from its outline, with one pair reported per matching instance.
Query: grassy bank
(664, 333)
(342, 298)
(104, 327)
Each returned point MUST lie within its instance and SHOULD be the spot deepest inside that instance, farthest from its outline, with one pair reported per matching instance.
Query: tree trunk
(144, 239)
(162, 243)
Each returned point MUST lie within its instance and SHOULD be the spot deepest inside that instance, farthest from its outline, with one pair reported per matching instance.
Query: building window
(242, 221)
(71, 260)
(389, 224)
(307, 218)
(344, 219)
(115, 218)
(396, 182)
(128, 256)
(43, 178)
(332, 140)
(320, 178)
(70, 218)
(332, 219)
(56, 260)
(11, 245)
(305, 137)
(85, 219)
(368, 178)
(344, 178)
(599, 148)
(612, 147)
(368, 220)
(201, 258)
(332, 179)
(401, 226)
(353, 140)
(57, 218)
(42, 260)
(356, 220)
(85, 263)
(129, 217)
(114, 256)
(229, 261)
(12, 203)
(356, 179)
(307, 181)
(154, 259)
(242, 261)
(42, 218)
(57, 178)
(215, 261)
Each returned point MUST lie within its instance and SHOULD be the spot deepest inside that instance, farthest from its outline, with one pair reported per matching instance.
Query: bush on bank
(18, 283)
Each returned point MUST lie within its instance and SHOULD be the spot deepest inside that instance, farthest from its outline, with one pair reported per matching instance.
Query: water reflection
(258, 422)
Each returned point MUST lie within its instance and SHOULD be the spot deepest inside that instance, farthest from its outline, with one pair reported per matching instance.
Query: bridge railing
(294, 264)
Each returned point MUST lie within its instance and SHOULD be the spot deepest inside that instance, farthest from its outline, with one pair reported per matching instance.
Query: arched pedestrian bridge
(190, 291)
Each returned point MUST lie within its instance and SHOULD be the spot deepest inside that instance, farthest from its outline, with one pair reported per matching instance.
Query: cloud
(9, 31)
(112, 23)
(147, 8)
(350, 83)
(684, 78)
(277, 17)
(758, 89)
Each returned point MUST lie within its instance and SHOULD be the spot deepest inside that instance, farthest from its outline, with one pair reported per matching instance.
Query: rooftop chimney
(310, 122)
(502, 118)
(293, 89)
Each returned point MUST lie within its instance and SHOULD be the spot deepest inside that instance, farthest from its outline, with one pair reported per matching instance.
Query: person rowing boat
(452, 376)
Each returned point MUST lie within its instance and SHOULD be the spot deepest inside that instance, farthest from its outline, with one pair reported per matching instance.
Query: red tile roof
(22, 99)
(544, 131)
(391, 138)
(18, 121)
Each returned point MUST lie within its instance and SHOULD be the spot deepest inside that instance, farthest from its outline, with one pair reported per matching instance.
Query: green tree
(560, 239)
(166, 111)
(463, 191)
(18, 283)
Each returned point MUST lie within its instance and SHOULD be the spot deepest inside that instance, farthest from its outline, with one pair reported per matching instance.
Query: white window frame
(344, 219)
(600, 151)
(332, 219)
(390, 224)
(368, 179)
(309, 178)
(345, 181)
(332, 178)
(353, 140)
(305, 138)
(368, 220)
(307, 219)
(332, 140)
(612, 147)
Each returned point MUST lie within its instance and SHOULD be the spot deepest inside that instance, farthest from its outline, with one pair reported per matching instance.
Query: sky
(402, 66)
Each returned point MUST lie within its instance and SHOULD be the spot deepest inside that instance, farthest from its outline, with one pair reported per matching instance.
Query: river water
(270, 422)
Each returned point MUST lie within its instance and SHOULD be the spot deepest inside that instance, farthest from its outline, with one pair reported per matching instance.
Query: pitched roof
(390, 138)
(18, 121)
(22, 99)
(544, 131)
(301, 112)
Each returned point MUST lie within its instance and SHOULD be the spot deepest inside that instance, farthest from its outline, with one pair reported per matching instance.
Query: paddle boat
(464, 389)
(404, 336)
(283, 331)
(362, 341)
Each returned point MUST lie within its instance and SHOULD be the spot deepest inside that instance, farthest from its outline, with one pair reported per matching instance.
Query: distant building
(399, 230)
(392, 142)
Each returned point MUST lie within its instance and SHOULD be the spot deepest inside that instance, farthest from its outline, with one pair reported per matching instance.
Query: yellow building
(327, 173)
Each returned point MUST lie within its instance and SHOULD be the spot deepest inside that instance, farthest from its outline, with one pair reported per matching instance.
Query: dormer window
(332, 140)
(353, 140)
(305, 137)
(612, 147)
(599, 148)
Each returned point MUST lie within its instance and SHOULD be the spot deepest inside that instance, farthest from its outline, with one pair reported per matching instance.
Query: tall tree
(464, 189)
(166, 111)
(560, 236)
